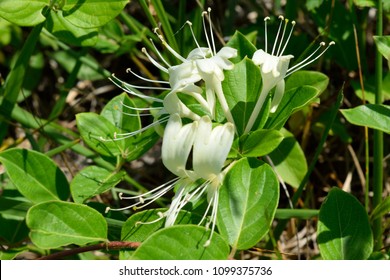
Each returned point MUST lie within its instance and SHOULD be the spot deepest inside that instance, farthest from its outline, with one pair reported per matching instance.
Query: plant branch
(113, 245)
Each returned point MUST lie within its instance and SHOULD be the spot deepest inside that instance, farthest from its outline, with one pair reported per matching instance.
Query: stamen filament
(277, 35)
(130, 134)
(205, 31)
(288, 39)
(265, 32)
(154, 62)
(303, 63)
(211, 31)
(127, 88)
(281, 39)
(172, 51)
(193, 36)
(213, 217)
(159, 54)
(128, 70)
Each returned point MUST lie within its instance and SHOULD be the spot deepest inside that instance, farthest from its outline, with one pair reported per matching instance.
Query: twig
(113, 245)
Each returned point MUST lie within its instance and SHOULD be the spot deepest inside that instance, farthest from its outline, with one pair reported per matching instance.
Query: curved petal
(211, 147)
(173, 105)
(278, 95)
(177, 145)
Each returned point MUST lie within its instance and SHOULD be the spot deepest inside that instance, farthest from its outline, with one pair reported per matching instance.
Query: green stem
(378, 138)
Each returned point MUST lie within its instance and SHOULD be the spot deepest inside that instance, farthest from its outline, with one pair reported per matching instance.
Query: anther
(107, 210)
(120, 195)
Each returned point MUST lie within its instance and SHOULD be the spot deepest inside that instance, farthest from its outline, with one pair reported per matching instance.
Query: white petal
(227, 52)
(278, 95)
(182, 75)
(211, 147)
(173, 105)
(199, 53)
(177, 145)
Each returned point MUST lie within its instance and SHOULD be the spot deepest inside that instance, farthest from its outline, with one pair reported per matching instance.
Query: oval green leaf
(261, 142)
(68, 33)
(289, 160)
(93, 180)
(91, 14)
(293, 100)
(98, 133)
(35, 175)
(307, 78)
(344, 232)
(57, 223)
(23, 12)
(142, 224)
(247, 203)
(241, 88)
(182, 242)
(370, 115)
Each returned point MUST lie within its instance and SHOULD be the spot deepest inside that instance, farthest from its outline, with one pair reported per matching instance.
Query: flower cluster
(200, 76)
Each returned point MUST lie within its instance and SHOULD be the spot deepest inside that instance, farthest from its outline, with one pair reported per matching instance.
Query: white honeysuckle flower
(274, 68)
(211, 148)
(177, 143)
(202, 63)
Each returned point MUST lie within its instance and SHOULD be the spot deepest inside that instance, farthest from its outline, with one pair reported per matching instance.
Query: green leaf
(142, 224)
(92, 13)
(307, 78)
(344, 232)
(116, 119)
(57, 223)
(182, 242)
(241, 87)
(13, 83)
(98, 133)
(261, 142)
(370, 115)
(35, 175)
(365, 3)
(93, 180)
(69, 61)
(383, 45)
(293, 100)
(382, 209)
(289, 160)
(11, 254)
(243, 46)
(248, 200)
(69, 33)
(23, 12)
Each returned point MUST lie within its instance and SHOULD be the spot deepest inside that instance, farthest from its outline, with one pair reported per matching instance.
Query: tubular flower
(210, 148)
(274, 68)
(201, 64)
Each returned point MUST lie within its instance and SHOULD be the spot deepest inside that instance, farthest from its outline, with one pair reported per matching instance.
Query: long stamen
(305, 62)
(155, 63)
(277, 35)
(128, 70)
(205, 30)
(211, 31)
(126, 87)
(265, 32)
(159, 54)
(130, 134)
(172, 51)
(281, 39)
(288, 39)
(139, 109)
(213, 217)
(170, 182)
(193, 36)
